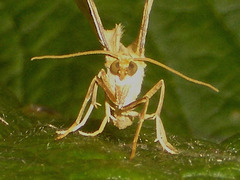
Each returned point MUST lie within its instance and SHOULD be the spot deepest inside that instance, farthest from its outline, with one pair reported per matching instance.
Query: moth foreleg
(99, 80)
(79, 122)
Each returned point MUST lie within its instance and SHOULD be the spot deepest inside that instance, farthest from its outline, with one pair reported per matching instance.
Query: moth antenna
(75, 55)
(177, 73)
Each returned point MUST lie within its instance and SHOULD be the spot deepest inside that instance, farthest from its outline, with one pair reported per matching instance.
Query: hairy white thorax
(128, 89)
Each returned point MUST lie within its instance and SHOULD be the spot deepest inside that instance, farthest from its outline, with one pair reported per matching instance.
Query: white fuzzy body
(128, 89)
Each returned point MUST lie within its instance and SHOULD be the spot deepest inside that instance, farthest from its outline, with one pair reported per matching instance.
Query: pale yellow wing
(138, 46)
(88, 7)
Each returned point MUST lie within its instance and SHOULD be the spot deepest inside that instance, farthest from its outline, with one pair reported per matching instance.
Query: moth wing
(138, 46)
(88, 7)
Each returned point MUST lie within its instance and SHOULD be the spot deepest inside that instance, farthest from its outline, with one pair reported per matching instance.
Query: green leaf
(198, 38)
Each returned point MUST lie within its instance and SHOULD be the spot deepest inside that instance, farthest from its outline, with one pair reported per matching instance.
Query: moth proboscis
(122, 80)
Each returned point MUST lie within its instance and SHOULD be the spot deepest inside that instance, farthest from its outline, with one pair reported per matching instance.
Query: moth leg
(160, 132)
(92, 91)
(161, 135)
(103, 124)
(100, 80)
(141, 120)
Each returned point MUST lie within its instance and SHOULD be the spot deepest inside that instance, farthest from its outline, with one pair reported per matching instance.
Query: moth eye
(132, 68)
(114, 68)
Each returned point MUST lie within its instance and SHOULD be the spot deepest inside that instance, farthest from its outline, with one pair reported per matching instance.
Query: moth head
(123, 68)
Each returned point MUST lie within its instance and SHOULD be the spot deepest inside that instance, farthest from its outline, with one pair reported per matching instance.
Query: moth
(121, 81)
